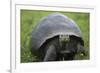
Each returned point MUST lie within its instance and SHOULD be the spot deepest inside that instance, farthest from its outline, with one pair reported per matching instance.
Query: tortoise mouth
(65, 52)
(66, 56)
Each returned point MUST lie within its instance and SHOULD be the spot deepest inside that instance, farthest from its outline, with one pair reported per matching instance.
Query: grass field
(29, 20)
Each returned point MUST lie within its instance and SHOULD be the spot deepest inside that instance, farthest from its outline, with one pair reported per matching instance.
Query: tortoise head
(70, 46)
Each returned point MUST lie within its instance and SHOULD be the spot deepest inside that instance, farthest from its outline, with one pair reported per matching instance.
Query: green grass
(30, 18)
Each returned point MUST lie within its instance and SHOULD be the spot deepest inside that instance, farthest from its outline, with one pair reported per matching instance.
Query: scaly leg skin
(50, 53)
(81, 50)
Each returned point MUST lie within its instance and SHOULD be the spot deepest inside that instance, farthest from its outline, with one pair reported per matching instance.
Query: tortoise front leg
(50, 53)
(81, 50)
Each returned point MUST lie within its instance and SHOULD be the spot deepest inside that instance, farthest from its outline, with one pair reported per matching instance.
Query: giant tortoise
(56, 38)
